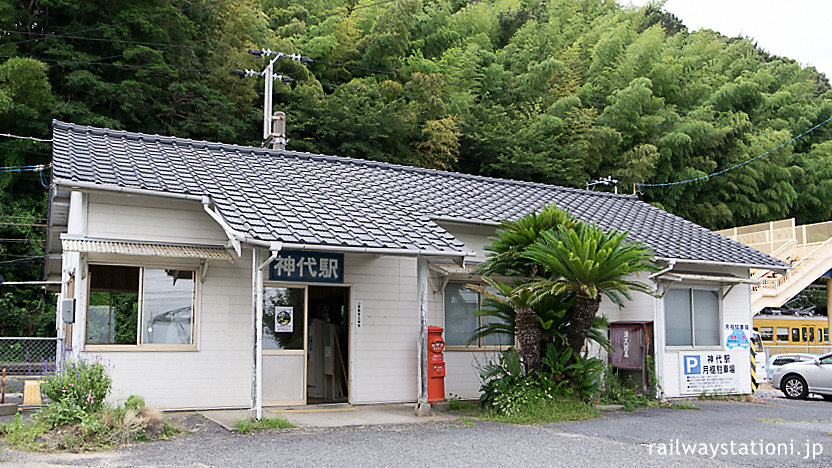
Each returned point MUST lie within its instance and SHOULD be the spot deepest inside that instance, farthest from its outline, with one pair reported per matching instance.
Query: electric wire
(123, 22)
(23, 259)
(32, 168)
(737, 166)
(8, 135)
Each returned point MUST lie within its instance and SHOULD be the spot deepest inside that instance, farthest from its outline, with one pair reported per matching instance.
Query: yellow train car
(793, 334)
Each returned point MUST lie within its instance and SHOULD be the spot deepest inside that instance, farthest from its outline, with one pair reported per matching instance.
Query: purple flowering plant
(80, 383)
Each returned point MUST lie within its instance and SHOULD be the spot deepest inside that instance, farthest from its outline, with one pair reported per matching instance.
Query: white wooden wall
(145, 218)
(383, 350)
(219, 374)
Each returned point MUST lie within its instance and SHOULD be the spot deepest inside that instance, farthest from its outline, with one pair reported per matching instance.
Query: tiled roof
(336, 201)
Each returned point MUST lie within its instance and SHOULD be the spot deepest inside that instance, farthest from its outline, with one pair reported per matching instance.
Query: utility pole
(274, 124)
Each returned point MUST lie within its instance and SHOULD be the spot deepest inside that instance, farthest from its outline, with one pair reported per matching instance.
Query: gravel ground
(617, 439)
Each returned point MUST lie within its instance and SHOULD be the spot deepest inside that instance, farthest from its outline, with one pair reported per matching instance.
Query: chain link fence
(30, 357)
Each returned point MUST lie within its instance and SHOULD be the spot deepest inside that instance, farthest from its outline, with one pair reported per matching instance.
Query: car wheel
(794, 387)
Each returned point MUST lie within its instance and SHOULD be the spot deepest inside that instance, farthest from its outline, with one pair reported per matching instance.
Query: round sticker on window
(283, 319)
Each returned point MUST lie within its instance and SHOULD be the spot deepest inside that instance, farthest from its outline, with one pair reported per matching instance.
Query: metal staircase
(808, 248)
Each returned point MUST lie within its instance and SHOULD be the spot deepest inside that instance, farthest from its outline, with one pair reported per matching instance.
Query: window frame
(139, 346)
(720, 318)
(469, 347)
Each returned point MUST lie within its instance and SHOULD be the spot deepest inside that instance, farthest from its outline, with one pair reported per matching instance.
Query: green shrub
(61, 413)
(83, 384)
(134, 402)
(617, 391)
(507, 391)
(582, 372)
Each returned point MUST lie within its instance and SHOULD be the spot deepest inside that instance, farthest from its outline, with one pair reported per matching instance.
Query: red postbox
(436, 365)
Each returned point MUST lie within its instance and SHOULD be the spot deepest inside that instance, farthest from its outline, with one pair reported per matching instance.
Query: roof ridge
(307, 155)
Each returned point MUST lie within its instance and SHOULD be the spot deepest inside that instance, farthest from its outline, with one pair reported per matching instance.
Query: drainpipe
(258, 321)
(670, 266)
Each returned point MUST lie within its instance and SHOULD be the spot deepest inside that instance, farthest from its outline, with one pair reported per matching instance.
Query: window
(767, 333)
(782, 333)
(795, 335)
(825, 338)
(692, 317)
(140, 306)
(283, 318)
(782, 361)
(805, 334)
(460, 322)
(811, 333)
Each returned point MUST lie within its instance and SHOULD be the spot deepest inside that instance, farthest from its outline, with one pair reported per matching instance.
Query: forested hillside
(555, 91)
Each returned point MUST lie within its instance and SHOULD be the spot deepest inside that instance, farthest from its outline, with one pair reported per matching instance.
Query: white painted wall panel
(220, 373)
(282, 378)
(736, 308)
(384, 349)
(119, 216)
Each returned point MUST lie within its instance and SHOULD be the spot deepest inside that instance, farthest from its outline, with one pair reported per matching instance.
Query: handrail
(795, 272)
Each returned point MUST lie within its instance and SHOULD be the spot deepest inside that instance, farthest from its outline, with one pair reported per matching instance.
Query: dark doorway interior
(328, 346)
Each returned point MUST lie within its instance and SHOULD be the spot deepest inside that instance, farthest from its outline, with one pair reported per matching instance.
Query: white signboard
(284, 319)
(714, 372)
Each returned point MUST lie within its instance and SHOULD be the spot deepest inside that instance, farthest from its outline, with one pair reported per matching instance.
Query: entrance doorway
(327, 355)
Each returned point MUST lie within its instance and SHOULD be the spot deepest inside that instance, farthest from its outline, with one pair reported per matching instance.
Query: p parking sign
(718, 372)
(692, 364)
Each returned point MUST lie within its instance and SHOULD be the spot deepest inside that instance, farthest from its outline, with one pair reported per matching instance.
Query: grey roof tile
(318, 199)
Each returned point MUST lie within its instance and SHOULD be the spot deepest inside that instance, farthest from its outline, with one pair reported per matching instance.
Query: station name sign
(307, 267)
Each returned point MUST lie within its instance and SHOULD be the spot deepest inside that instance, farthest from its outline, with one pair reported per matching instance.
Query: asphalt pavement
(771, 432)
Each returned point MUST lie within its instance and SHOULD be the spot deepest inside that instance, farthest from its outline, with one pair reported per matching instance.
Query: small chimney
(279, 131)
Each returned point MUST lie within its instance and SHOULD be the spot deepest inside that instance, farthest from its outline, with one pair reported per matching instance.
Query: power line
(736, 166)
(23, 259)
(8, 135)
(27, 218)
(35, 168)
(124, 66)
(122, 23)
(21, 224)
(116, 41)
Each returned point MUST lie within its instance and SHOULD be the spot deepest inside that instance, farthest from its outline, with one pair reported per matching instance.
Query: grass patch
(244, 426)
(103, 429)
(465, 406)
(681, 405)
(558, 408)
(467, 421)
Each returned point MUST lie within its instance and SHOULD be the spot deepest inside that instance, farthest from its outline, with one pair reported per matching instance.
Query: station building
(209, 275)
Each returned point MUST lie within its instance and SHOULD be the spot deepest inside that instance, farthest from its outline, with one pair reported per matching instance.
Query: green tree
(588, 262)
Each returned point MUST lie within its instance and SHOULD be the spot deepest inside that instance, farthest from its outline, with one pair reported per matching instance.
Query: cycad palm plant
(589, 262)
(513, 307)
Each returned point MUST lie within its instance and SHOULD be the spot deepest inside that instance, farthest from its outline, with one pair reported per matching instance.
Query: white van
(761, 358)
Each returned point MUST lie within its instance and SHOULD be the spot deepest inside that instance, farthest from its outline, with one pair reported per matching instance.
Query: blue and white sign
(307, 267)
(737, 335)
(713, 372)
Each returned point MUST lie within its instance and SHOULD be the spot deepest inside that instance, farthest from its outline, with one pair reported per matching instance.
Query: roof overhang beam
(681, 261)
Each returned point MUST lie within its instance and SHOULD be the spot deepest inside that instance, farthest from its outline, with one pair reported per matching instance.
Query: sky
(789, 28)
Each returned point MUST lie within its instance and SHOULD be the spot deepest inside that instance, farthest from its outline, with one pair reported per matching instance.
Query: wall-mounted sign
(284, 318)
(737, 335)
(308, 267)
(713, 372)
